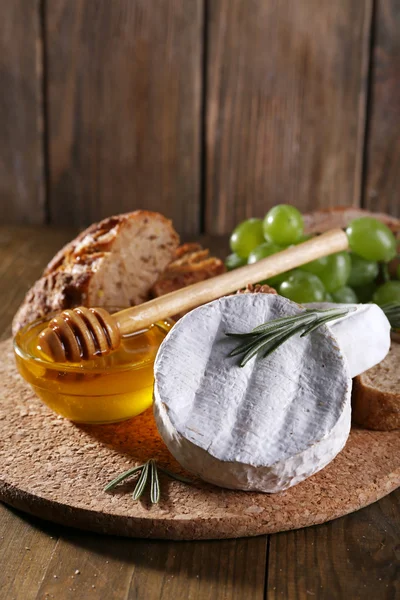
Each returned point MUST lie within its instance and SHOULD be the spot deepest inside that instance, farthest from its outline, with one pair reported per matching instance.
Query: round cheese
(265, 426)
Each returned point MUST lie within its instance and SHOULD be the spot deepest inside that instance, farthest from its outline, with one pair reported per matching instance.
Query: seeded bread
(192, 263)
(112, 263)
(376, 394)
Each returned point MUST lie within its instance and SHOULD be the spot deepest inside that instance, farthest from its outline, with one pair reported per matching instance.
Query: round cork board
(56, 470)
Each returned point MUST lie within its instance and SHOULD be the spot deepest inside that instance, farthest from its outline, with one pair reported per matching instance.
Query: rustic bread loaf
(376, 394)
(112, 263)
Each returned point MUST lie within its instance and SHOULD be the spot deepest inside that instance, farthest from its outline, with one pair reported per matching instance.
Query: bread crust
(192, 263)
(66, 280)
(99, 239)
(375, 408)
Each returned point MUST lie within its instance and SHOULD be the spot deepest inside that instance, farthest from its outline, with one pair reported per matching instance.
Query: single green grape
(262, 251)
(371, 239)
(233, 261)
(345, 295)
(328, 297)
(365, 292)
(246, 236)
(283, 224)
(362, 271)
(336, 272)
(316, 266)
(277, 279)
(302, 287)
(387, 293)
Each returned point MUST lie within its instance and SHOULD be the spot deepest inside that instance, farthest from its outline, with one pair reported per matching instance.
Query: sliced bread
(112, 263)
(376, 394)
(191, 263)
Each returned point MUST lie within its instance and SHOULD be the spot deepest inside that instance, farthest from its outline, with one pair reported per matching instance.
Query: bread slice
(113, 263)
(376, 394)
(192, 263)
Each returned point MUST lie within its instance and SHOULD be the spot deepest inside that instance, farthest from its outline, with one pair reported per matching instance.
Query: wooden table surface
(357, 556)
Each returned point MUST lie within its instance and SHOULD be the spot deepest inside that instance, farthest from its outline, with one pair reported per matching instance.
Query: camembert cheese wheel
(266, 426)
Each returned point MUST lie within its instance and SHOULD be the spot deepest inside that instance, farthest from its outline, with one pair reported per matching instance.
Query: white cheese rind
(263, 427)
(363, 335)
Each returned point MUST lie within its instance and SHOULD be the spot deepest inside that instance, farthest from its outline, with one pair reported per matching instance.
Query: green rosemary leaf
(121, 477)
(246, 346)
(271, 332)
(269, 336)
(142, 481)
(322, 320)
(174, 475)
(150, 467)
(241, 335)
(282, 322)
(274, 325)
(278, 341)
(155, 484)
(272, 342)
(252, 351)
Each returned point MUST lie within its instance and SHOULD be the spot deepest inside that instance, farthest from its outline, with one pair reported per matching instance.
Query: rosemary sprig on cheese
(148, 472)
(266, 338)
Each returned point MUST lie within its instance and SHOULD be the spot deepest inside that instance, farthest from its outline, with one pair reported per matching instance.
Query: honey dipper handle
(139, 317)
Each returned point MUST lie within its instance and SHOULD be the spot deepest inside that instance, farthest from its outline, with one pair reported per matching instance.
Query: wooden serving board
(56, 470)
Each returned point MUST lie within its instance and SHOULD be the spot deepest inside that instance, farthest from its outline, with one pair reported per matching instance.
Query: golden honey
(104, 390)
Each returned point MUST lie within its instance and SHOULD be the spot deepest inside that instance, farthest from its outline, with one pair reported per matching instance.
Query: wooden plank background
(21, 114)
(209, 111)
(382, 190)
(123, 97)
(285, 105)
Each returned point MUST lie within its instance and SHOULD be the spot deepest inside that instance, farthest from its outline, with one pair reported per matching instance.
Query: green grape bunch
(343, 277)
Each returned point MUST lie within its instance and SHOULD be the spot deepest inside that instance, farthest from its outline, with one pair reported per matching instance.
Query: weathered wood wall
(209, 111)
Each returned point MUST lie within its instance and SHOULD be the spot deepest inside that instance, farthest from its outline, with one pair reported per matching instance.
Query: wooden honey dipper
(83, 333)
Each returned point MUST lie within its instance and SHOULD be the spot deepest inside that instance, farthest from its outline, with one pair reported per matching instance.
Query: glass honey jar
(104, 390)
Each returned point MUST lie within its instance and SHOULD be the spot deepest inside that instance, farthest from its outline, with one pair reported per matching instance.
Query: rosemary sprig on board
(392, 312)
(266, 338)
(148, 472)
